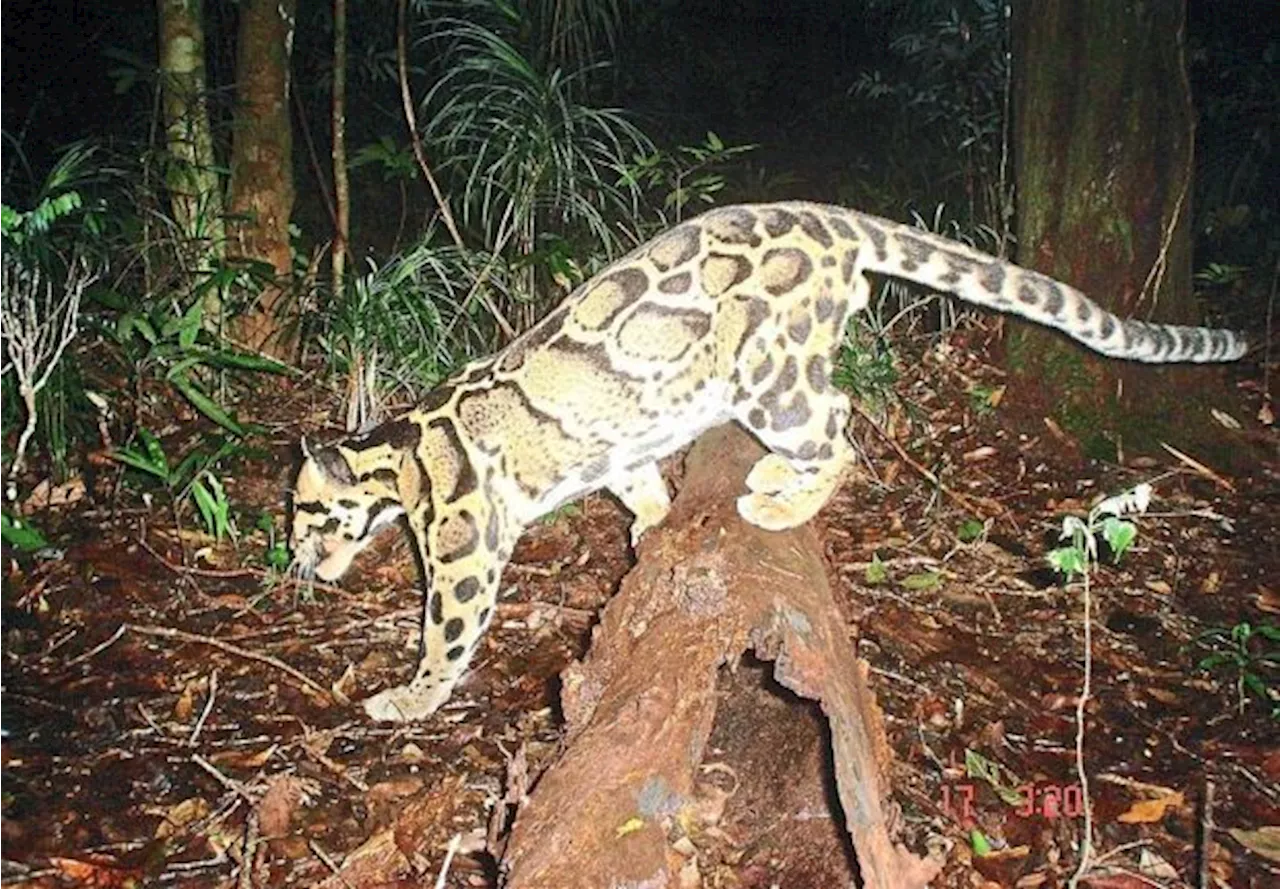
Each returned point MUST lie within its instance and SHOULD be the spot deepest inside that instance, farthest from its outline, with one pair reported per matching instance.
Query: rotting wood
(639, 708)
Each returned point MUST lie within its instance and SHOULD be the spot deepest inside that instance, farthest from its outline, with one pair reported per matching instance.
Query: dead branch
(640, 707)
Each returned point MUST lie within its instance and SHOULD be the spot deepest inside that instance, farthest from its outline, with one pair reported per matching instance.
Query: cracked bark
(639, 708)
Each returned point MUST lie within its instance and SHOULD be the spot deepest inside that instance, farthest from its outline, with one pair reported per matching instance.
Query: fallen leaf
(95, 875)
(1264, 841)
(186, 703)
(1159, 586)
(891, 472)
(176, 817)
(275, 810)
(986, 452)
(231, 601)
(1147, 811)
(46, 495)
(1267, 600)
(928, 580)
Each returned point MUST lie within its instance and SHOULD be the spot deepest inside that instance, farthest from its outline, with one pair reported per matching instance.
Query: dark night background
(776, 75)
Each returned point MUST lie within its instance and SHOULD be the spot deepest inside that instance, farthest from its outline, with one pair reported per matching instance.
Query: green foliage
(18, 533)
(981, 845)
(864, 365)
(690, 175)
(395, 161)
(949, 90)
(876, 572)
(971, 530)
(174, 346)
(998, 777)
(193, 477)
(62, 215)
(416, 318)
(1104, 521)
(983, 398)
(526, 154)
(925, 580)
(1251, 654)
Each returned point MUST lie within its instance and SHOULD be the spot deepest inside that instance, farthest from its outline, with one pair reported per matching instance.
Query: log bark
(640, 706)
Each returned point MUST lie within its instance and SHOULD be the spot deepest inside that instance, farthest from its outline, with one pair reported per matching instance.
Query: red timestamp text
(1048, 801)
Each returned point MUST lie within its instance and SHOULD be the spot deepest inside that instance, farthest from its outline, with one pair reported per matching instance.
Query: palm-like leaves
(527, 155)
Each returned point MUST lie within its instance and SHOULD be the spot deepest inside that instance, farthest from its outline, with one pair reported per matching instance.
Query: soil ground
(165, 696)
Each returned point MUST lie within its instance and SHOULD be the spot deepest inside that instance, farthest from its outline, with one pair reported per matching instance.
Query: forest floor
(165, 697)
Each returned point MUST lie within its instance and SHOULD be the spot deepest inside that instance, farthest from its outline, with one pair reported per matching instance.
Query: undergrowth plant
(50, 260)
(1079, 556)
(1250, 655)
(193, 478)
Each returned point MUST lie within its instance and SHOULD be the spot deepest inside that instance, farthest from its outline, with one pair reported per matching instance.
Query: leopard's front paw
(407, 703)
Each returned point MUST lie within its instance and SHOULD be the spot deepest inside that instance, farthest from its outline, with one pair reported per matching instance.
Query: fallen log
(639, 707)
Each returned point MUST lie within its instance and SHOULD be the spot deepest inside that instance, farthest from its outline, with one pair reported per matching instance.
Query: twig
(1198, 467)
(410, 118)
(975, 507)
(235, 573)
(208, 707)
(1206, 834)
(406, 99)
(249, 853)
(230, 783)
(223, 573)
(448, 859)
(100, 647)
(184, 636)
(1155, 275)
(326, 859)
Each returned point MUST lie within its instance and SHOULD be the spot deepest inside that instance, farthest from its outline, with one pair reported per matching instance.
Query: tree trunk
(262, 163)
(1103, 137)
(706, 588)
(195, 191)
(341, 189)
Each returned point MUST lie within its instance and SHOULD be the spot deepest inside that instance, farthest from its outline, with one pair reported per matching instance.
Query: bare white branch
(40, 319)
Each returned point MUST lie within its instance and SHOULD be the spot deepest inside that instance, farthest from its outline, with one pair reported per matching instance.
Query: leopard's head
(338, 510)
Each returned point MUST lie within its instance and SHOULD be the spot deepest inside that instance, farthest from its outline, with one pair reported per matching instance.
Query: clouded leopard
(734, 315)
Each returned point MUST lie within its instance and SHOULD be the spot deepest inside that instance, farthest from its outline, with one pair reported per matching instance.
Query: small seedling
(1252, 654)
(971, 530)
(1080, 557)
(1104, 521)
(876, 572)
(985, 399)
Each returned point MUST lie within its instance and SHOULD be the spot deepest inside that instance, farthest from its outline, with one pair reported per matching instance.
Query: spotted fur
(735, 315)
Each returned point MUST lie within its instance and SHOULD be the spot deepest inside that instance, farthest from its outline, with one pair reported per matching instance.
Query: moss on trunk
(1103, 136)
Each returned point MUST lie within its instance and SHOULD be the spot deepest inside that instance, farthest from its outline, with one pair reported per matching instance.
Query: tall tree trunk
(262, 162)
(341, 189)
(1103, 136)
(195, 192)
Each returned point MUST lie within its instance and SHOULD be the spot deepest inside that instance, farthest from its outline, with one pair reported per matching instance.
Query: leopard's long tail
(896, 249)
